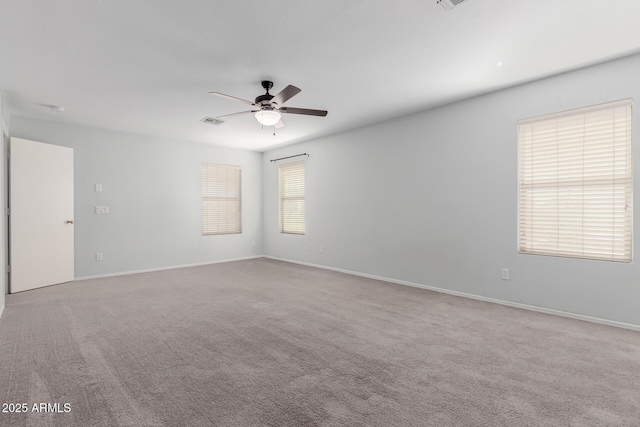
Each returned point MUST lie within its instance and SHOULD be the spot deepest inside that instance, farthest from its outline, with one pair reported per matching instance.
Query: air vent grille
(212, 121)
(449, 4)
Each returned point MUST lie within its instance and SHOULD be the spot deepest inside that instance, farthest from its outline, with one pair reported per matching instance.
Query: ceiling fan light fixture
(268, 117)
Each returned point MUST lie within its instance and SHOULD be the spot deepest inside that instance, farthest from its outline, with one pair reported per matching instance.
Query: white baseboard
(1, 311)
(472, 296)
(173, 267)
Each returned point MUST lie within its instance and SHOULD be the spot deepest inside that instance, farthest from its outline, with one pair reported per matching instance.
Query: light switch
(98, 188)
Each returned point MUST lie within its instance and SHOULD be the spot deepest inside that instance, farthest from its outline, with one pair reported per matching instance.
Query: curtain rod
(282, 158)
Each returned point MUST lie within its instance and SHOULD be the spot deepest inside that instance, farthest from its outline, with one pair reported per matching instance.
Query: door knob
(69, 221)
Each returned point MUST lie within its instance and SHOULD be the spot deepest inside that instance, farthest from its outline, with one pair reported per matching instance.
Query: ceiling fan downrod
(263, 100)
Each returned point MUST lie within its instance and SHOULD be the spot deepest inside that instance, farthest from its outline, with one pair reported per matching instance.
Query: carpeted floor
(267, 343)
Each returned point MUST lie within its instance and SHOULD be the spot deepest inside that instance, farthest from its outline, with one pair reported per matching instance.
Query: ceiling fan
(269, 108)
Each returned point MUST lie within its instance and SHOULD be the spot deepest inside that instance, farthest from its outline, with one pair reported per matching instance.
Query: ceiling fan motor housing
(264, 100)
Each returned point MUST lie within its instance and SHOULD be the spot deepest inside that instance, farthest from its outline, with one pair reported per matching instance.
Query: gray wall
(3, 205)
(431, 199)
(152, 187)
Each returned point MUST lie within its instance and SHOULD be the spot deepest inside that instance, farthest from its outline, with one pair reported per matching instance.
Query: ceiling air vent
(212, 121)
(448, 4)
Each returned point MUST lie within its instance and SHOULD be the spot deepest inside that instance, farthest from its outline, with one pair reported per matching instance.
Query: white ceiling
(146, 66)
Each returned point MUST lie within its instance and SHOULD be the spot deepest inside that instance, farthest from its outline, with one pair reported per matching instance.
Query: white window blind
(221, 199)
(575, 183)
(292, 198)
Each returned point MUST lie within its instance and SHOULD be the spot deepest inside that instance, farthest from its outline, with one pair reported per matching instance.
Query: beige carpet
(266, 343)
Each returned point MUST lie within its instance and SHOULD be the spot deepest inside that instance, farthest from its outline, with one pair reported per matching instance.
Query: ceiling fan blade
(286, 94)
(235, 114)
(304, 111)
(279, 125)
(232, 97)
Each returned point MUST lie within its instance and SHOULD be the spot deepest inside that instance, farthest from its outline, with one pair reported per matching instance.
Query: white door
(41, 214)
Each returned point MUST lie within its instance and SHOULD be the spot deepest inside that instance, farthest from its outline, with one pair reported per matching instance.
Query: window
(221, 199)
(292, 198)
(575, 183)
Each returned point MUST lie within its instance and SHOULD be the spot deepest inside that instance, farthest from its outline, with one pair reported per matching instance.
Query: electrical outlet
(102, 209)
(310, 248)
(253, 243)
(98, 256)
(505, 274)
(321, 249)
(98, 188)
